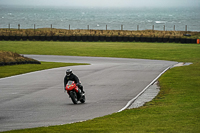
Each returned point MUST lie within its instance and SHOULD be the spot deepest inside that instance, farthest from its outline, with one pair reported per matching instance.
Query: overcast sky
(105, 3)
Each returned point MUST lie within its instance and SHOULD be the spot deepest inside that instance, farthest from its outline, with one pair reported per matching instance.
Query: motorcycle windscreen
(69, 82)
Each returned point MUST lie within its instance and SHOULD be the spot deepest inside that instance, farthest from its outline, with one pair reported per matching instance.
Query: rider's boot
(82, 90)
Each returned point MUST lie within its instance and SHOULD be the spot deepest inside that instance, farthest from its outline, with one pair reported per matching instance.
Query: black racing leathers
(74, 78)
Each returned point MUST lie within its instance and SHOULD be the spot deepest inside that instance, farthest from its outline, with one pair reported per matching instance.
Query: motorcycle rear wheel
(82, 99)
(73, 97)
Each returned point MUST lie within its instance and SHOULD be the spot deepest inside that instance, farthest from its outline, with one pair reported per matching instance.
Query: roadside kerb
(132, 100)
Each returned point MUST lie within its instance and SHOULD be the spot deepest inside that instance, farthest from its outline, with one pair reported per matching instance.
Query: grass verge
(11, 70)
(10, 58)
(175, 109)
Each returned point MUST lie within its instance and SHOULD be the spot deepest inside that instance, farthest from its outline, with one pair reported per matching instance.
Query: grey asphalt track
(37, 99)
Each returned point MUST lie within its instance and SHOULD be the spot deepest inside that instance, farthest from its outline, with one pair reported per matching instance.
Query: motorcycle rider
(72, 77)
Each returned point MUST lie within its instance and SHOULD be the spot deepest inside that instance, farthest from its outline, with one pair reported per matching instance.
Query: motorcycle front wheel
(73, 96)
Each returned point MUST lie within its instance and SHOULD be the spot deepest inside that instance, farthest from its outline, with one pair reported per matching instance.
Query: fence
(160, 27)
(94, 37)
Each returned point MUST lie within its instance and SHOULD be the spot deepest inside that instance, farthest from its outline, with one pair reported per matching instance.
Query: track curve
(37, 99)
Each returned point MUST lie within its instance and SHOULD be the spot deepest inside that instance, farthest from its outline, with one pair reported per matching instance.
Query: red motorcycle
(74, 92)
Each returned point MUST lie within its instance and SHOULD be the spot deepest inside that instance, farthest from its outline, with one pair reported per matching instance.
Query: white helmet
(69, 72)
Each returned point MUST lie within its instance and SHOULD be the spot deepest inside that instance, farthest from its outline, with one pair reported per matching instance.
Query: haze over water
(97, 14)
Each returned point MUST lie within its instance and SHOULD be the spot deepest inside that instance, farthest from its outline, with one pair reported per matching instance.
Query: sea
(30, 17)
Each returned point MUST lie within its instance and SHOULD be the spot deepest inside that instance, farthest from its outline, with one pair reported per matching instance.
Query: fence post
(152, 27)
(137, 27)
(69, 26)
(174, 28)
(88, 27)
(34, 29)
(185, 27)
(9, 26)
(51, 26)
(164, 28)
(106, 27)
(121, 27)
(18, 26)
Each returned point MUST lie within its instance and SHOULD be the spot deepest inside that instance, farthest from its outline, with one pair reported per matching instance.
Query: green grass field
(175, 109)
(159, 51)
